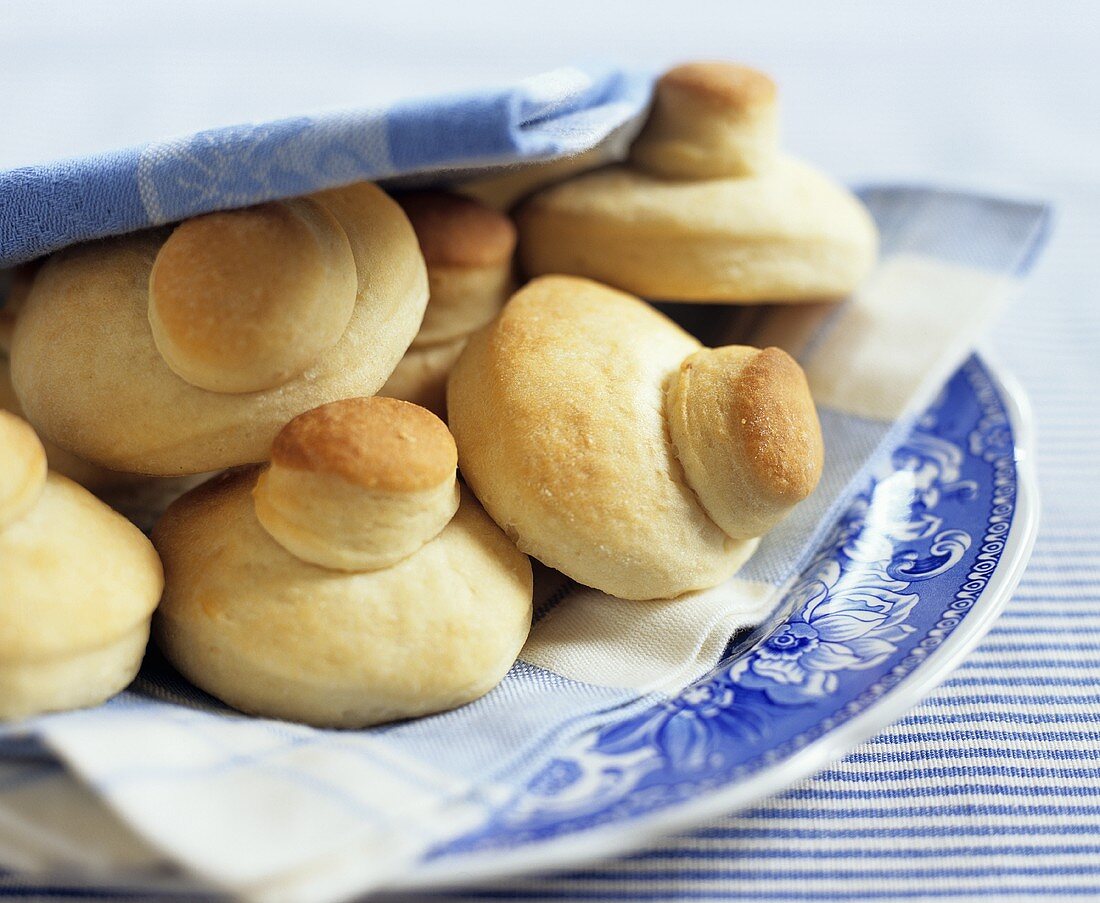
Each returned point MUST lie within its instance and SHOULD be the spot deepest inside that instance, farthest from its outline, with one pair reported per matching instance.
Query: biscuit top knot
(359, 484)
(708, 121)
(245, 300)
(745, 430)
(458, 231)
(22, 468)
(468, 248)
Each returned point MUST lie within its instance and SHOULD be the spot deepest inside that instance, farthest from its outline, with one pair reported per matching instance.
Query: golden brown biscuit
(706, 209)
(272, 633)
(359, 484)
(563, 412)
(708, 121)
(468, 249)
(89, 374)
(78, 584)
(15, 286)
(746, 433)
(245, 300)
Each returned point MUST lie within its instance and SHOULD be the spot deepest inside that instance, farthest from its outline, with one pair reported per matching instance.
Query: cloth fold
(554, 114)
(279, 812)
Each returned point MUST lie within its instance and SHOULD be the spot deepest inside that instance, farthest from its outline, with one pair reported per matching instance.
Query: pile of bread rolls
(341, 358)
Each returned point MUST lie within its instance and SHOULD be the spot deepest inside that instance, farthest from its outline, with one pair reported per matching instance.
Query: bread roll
(468, 249)
(744, 429)
(236, 301)
(610, 445)
(269, 632)
(78, 584)
(706, 209)
(357, 485)
(503, 188)
(709, 121)
(245, 300)
(139, 497)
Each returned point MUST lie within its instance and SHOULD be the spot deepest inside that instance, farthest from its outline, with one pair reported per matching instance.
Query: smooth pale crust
(243, 300)
(421, 376)
(787, 234)
(91, 379)
(84, 678)
(558, 411)
(458, 231)
(461, 300)
(378, 443)
(340, 525)
(708, 121)
(140, 498)
(78, 585)
(747, 434)
(74, 577)
(87, 475)
(269, 634)
(22, 468)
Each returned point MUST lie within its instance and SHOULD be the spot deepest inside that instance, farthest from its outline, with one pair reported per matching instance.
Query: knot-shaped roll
(183, 352)
(709, 121)
(468, 250)
(138, 496)
(78, 584)
(612, 446)
(244, 300)
(707, 209)
(329, 587)
(359, 484)
(744, 429)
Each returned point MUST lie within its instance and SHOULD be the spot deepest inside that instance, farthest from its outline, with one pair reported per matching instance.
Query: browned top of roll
(458, 231)
(728, 85)
(778, 422)
(379, 443)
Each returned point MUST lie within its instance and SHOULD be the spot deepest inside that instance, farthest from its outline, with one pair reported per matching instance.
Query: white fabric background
(993, 96)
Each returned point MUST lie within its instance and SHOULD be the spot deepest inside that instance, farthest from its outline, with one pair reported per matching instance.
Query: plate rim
(617, 839)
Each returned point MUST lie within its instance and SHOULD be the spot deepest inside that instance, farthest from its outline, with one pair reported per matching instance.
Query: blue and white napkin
(281, 812)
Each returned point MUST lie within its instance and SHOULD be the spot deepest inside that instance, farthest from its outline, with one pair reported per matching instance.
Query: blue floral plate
(911, 577)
